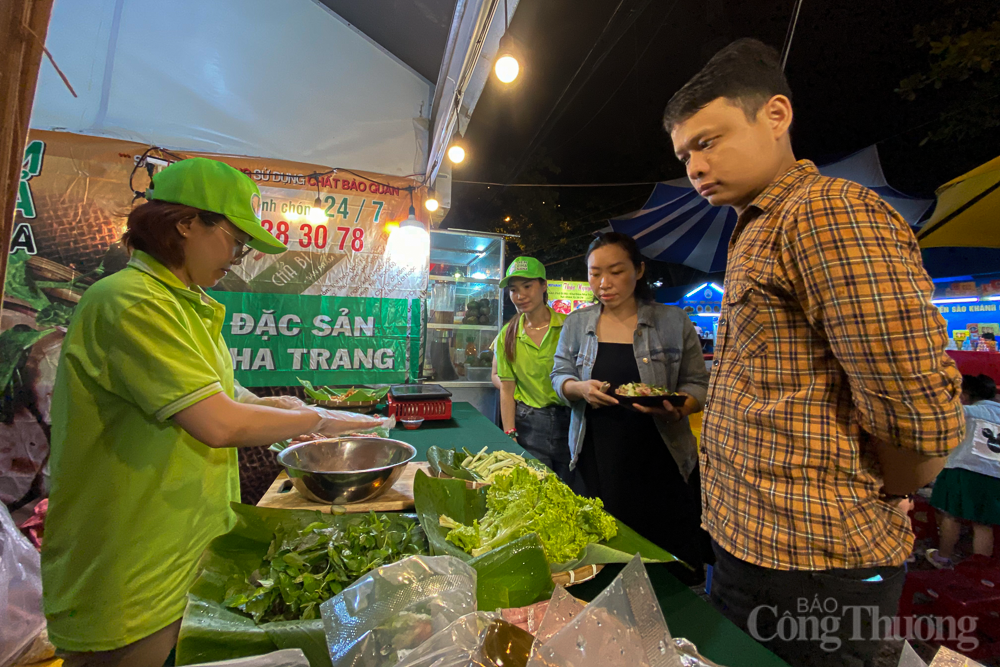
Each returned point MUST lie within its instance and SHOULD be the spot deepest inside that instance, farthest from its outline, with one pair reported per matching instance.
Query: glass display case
(464, 314)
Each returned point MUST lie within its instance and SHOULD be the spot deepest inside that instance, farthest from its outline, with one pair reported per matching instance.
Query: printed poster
(333, 309)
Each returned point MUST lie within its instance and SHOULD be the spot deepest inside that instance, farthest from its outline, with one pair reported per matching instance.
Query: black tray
(418, 392)
(675, 400)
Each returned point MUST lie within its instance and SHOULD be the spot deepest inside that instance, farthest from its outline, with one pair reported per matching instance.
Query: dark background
(596, 75)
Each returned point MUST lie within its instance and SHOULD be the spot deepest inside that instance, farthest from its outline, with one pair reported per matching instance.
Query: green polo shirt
(532, 364)
(134, 498)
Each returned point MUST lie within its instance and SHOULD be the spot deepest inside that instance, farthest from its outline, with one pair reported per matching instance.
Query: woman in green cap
(531, 411)
(146, 417)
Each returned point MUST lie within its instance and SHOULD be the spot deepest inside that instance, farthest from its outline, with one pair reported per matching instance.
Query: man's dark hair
(747, 73)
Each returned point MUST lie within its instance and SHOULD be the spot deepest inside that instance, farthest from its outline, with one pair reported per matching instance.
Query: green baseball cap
(524, 267)
(214, 186)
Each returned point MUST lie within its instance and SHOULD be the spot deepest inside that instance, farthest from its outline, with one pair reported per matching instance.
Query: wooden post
(23, 26)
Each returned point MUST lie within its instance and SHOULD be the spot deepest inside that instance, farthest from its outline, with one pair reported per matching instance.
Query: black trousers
(544, 433)
(809, 618)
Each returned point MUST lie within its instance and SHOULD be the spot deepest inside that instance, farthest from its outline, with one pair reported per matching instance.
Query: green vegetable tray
(448, 463)
(329, 397)
(514, 575)
(212, 632)
(452, 497)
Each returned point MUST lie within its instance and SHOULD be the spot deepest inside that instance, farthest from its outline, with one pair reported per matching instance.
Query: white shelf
(453, 279)
(464, 327)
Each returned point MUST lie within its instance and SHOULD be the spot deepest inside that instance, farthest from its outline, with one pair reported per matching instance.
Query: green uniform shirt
(134, 499)
(532, 364)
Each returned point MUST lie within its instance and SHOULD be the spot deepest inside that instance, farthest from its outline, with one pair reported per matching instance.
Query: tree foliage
(964, 64)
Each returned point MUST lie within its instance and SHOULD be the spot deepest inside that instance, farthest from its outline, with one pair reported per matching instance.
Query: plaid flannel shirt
(827, 341)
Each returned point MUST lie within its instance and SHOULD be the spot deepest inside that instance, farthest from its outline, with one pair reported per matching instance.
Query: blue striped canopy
(677, 225)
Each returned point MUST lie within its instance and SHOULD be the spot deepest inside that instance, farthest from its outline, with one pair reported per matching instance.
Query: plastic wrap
(334, 423)
(480, 639)
(394, 609)
(21, 617)
(689, 656)
(562, 609)
(291, 657)
(624, 625)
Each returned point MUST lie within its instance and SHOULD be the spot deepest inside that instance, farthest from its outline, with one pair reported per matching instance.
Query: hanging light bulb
(316, 215)
(456, 153)
(410, 245)
(506, 67)
(431, 204)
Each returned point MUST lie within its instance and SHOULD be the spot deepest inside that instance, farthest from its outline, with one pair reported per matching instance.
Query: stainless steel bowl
(345, 470)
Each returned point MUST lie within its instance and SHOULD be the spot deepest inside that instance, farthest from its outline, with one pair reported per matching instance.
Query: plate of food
(640, 393)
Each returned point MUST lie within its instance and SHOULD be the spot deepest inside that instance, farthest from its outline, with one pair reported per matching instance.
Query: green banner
(277, 338)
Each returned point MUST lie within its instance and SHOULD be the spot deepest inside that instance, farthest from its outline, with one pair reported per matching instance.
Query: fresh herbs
(303, 569)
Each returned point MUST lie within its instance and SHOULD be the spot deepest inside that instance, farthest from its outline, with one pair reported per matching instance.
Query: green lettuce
(519, 503)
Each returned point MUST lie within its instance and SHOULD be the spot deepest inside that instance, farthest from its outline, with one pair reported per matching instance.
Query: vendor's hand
(281, 402)
(307, 437)
(333, 423)
(596, 398)
(668, 411)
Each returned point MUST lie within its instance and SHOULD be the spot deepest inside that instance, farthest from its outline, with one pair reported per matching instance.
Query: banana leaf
(434, 497)
(332, 394)
(448, 461)
(212, 632)
(514, 575)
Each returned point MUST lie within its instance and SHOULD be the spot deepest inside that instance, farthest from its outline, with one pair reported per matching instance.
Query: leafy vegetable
(15, 345)
(453, 498)
(20, 284)
(55, 315)
(304, 568)
(519, 502)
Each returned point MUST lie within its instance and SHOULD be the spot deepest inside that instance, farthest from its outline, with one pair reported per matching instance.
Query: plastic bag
(624, 625)
(338, 422)
(291, 657)
(458, 645)
(21, 617)
(394, 609)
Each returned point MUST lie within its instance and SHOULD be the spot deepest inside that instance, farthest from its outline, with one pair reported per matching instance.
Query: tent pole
(23, 27)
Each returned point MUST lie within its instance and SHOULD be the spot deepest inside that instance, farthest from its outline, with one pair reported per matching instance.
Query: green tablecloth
(467, 428)
(687, 615)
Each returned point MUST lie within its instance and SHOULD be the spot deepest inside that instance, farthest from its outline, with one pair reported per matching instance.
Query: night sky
(846, 60)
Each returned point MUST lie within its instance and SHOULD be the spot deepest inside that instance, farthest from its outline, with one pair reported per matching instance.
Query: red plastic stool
(923, 519)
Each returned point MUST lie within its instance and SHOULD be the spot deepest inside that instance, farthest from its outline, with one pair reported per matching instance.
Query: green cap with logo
(214, 186)
(524, 267)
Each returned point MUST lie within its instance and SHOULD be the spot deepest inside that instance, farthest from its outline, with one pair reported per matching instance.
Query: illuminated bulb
(316, 215)
(410, 245)
(507, 68)
(431, 204)
(456, 154)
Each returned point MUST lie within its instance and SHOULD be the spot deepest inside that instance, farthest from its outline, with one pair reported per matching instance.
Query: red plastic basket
(429, 410)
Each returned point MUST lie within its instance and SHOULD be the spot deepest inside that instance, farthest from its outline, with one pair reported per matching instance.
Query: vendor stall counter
(464, 314)
(687, 615)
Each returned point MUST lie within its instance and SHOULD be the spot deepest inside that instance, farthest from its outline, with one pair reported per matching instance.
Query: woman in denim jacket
(641, 462)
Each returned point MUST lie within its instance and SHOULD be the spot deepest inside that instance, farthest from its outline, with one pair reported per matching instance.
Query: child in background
(968, 489)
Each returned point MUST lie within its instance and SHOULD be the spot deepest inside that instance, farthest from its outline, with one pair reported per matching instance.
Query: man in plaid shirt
(831, 396)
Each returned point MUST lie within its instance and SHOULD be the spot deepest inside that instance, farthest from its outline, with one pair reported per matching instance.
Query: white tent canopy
(284, 80)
